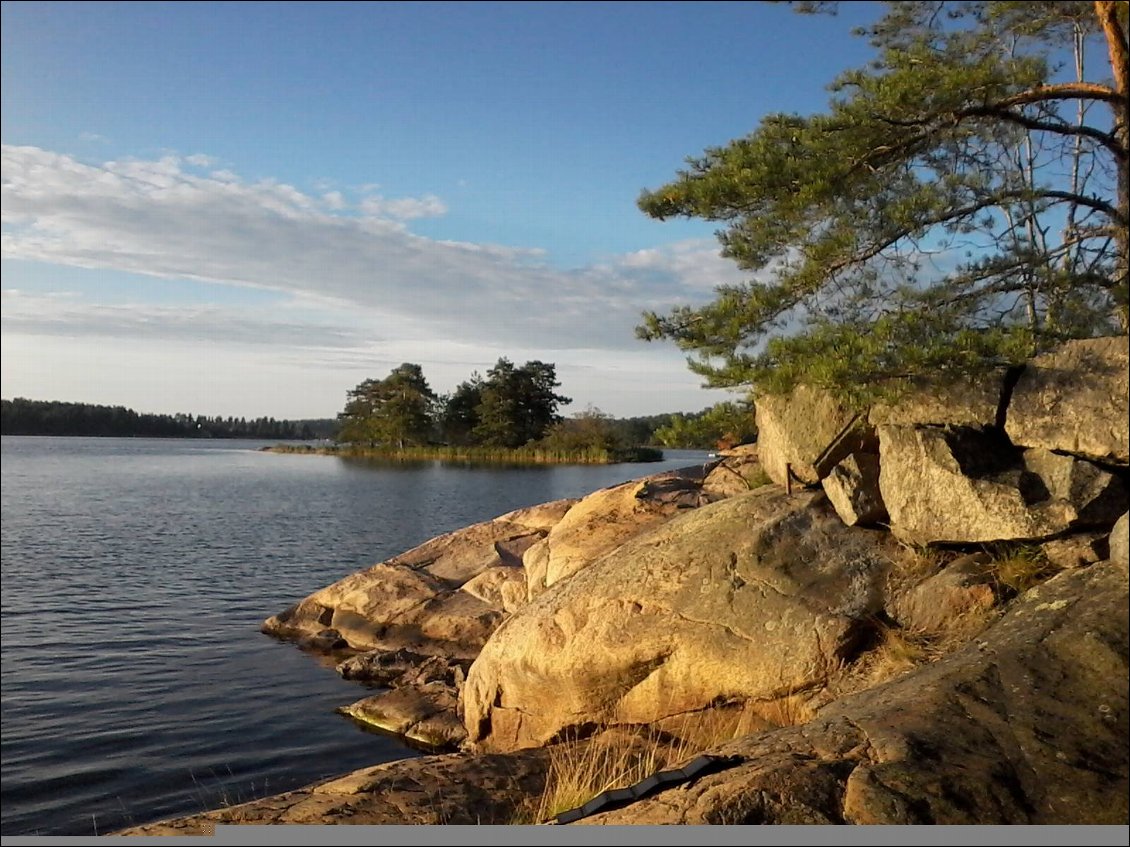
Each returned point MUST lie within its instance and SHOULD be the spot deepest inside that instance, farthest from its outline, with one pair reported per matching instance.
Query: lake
(135, 682)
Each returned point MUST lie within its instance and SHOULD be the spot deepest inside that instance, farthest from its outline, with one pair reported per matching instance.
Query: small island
(510, 416)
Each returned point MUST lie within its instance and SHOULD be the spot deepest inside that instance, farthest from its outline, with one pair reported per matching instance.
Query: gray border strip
(622, 836)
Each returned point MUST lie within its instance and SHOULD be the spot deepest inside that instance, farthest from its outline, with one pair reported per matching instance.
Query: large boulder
(1025, 725)
(604, 520)
(756, 597)
(1074, 400)
(801, 436)
(964, 485)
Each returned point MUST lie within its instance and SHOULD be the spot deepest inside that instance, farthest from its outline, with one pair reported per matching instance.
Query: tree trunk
(1119, 50)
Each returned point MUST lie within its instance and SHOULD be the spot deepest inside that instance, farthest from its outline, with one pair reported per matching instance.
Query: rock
(603, 521)
(422, 705)
(759, 597)
(424, 714)
(453, 624)
(504, 587)
(1074, 400)
(738, 471)
(430, 790)
(960, 485)
(1118, 544)
(390, 669)
(422, 617)
(1025, 725)
(807, 431)
(324, 641)
(853, 488)
(413, 601)
(1076, 551)
(940, 602)
(1097, 496)
(974, 402)
(456, 557)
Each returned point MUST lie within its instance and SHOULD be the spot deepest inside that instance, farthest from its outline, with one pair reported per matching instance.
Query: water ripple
(135, 682)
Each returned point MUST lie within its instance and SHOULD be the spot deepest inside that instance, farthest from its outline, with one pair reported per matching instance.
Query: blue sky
(249, 208)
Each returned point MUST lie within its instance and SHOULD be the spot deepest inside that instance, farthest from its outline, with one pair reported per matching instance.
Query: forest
(51, 417)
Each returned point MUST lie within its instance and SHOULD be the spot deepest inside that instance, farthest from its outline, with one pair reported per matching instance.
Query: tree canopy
(396, 410)
(961, 203)
(510, 407)
(722, 426)
(517, 404)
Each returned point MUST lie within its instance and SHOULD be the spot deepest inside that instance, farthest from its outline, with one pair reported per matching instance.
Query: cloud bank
(179, 217)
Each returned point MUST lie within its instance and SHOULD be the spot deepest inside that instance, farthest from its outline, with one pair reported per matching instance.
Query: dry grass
(581, 769)
(911, 564)
(1009, 570)
(1018, 567)
(900, 649)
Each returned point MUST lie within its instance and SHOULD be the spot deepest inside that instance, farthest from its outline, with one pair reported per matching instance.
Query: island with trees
(511, 415)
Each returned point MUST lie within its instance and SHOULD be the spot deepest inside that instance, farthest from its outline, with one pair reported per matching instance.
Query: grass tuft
(1018, 567)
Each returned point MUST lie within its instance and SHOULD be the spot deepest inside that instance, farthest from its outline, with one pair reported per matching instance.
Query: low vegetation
(530, 455)
(1018, 567)
(616, 756)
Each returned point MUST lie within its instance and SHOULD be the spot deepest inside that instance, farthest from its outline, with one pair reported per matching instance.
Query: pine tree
(394, 412)
(962, 203)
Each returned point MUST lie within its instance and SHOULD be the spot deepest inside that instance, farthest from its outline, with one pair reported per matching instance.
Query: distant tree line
(515, 407)
(51, 417)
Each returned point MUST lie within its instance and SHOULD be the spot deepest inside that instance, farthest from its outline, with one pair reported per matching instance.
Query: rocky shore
(910, 615)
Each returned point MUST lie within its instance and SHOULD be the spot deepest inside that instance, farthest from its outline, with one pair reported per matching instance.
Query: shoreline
(483, 455)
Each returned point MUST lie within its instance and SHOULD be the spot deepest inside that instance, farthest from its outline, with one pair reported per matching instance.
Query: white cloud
(333, 200)
(403, 208)
(200, 160)
(157, 218)
(696, 264)
(66, 314)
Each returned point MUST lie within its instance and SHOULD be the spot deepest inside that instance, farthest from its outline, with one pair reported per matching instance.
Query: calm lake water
(135, 682)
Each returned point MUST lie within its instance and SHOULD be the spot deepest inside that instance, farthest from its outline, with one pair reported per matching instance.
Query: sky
(249, 208)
